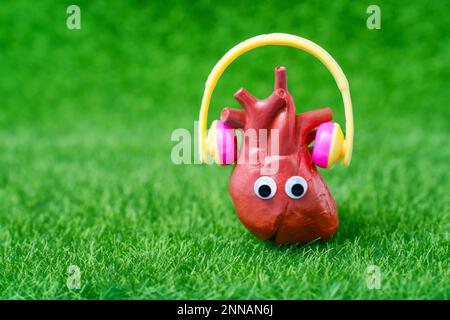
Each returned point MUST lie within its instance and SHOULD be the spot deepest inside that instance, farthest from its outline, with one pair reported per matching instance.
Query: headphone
(330, 146)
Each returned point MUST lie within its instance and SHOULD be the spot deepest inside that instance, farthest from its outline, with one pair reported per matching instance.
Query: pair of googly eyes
(265, 187)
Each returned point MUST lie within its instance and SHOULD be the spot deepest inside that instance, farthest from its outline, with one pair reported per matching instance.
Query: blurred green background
(86, 177)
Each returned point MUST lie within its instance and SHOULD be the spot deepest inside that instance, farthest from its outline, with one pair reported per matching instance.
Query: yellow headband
(281, 39)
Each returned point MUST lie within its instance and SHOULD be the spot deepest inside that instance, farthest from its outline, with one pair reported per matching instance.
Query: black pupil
(264, 191)
(297, 190)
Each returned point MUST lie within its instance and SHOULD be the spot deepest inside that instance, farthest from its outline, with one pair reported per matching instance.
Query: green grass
(86, 177)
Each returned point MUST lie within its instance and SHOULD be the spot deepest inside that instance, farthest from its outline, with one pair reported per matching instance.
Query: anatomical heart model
(299, 212)
(275, 186)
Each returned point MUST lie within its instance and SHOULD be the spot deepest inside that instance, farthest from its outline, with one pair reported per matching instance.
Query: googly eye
(265, 187)
(296, 187)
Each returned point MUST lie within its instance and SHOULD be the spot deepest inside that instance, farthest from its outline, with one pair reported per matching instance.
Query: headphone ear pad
(328, 145)
(226, 144)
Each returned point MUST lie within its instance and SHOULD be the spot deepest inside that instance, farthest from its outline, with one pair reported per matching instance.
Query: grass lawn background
(86, 177)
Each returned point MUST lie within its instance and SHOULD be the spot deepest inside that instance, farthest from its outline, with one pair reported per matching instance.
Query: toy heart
(292, 204)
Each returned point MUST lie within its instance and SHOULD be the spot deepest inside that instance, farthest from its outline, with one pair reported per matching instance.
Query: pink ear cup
(226, 143)
(322, 144)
